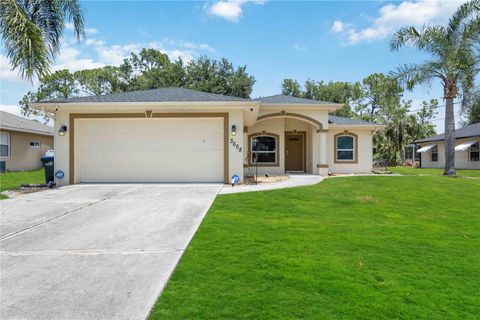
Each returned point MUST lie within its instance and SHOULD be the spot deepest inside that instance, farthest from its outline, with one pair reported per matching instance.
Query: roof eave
(358, 126)
(325, 106)
(43, 133)
(50, 106)
(443, 139)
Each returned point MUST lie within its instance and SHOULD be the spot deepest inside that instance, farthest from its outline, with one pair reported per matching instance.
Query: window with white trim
(434, 152)
(5, 144)
(35, 144)
(474, 152)
(345, 148)
(263, 149)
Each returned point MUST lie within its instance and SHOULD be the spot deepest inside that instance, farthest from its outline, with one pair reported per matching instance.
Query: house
(466, 149)
(23, 142)
(181, 135)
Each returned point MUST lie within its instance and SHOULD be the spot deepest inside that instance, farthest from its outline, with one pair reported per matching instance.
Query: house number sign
(236, 145)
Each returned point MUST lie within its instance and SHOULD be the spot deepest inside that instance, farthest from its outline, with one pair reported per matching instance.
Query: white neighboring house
(181, 135)
(467, 154)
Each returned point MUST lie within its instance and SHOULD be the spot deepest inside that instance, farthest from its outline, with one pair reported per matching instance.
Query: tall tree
(455, 61)
(471, 106)
(473, 115)
(346, 93)
(219, 77)
(379, 91)
(149, 69)
(402, 128)
(32, 32)
(98, 81)
(58, 85)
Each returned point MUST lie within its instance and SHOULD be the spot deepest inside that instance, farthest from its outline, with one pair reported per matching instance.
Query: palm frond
(431, 39)
(23, 41)
(403, 37)
(74, 13)
(465, 11)
(410, 75)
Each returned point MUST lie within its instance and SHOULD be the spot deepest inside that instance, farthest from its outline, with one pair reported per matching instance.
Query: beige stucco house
(23, 142)
(467, 153)
(181, 135)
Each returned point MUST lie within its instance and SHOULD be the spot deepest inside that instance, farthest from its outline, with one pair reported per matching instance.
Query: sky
(317, 40)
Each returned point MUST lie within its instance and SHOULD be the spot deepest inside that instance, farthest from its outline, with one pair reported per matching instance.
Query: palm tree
(32, 31)
(455, 62)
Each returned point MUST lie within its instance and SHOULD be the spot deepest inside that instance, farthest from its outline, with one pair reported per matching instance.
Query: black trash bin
(49, 168)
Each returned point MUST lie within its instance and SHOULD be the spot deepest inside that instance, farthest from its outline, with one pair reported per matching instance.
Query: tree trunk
(449, 139)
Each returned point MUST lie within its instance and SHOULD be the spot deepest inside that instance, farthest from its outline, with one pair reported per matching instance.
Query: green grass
(13, 180)
(432, 171)
(394, 247)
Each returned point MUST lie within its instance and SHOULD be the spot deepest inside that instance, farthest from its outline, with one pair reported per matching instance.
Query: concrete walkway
(295, 180)
(95, 251)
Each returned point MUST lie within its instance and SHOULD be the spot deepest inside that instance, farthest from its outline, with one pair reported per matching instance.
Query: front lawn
(13, 180)
(394, 247)
(432, 171)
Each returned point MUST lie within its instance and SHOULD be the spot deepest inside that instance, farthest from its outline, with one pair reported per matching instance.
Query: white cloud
(15, 109)
(337, 26)
(11, 108)
(6, 73)
(115, 54)
(95, 53)
(73, 60)
(299, 47)
(391, 17)
(230, 10)
(70, 26)
(91, 30)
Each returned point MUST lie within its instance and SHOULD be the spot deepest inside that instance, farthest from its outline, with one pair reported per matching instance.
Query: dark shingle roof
(472, 130)
(154, 95)
(283, 99)
(13, 122)
(347, 121)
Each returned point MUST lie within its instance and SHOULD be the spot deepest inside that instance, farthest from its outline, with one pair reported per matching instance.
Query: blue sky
(319, 40)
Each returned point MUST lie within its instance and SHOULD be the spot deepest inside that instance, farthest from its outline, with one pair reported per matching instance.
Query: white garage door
(149, 150)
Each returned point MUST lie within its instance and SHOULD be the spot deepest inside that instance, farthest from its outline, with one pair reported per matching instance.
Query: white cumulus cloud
(11, 108)
(337, 26)
(393, 16)
(299, 47)
(230, 10)
(6, 72)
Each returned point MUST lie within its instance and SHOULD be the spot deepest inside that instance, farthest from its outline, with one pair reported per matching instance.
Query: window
(263, 149)
(4, 144)
(474, 152)
(34, 144)
(345, 148)
(434, 154)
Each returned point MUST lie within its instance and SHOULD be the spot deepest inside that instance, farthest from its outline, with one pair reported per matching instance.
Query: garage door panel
(161, 144)
(150, 150)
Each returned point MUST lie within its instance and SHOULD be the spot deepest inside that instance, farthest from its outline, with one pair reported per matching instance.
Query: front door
(294, 152)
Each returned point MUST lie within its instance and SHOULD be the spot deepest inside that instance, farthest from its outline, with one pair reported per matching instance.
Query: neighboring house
(181, 135)
(466, 149)
(23, 142)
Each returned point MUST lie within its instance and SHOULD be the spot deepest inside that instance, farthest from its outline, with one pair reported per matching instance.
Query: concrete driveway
(95, 251)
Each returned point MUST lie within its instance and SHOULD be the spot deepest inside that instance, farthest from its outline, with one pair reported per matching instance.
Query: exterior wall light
(62, 130)
(234, 130)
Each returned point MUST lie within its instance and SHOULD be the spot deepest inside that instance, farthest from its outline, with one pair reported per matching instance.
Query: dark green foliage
(32, 32)
(347, 93)
(377, 98)
(148, 69)
(454, 62)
